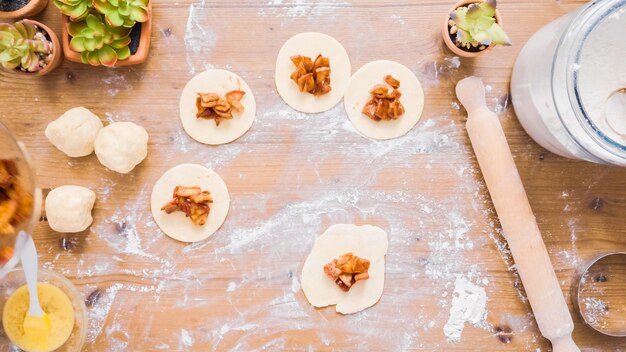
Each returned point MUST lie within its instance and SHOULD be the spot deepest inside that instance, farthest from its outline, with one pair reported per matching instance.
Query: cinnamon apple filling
(192, 201)
(312, 76)
(384, 105)
(213, 107)
(16, 203)
(346, 270)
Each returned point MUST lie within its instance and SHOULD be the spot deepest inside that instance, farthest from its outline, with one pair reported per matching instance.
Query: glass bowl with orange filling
(20, 198)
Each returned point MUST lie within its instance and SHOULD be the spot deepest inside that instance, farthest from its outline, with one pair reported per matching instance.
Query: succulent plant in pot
(77, 10)
(29, 48)
(13, 9)
(472, 27)
(112, 33)
(123, 12)
(97, 42)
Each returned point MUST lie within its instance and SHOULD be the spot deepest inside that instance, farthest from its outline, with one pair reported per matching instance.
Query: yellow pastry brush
(36, 322)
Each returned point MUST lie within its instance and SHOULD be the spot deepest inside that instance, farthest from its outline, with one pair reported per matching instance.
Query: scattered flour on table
(595, 311)
(185, 339)
(398, 19)
(300, 8)
(199, 39)
(469, 305)
(114, 82)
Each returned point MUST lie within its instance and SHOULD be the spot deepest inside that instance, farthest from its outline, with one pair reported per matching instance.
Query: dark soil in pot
(12, 5)
(135, 35)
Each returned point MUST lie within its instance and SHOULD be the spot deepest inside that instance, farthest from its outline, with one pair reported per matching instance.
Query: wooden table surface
(292, 175)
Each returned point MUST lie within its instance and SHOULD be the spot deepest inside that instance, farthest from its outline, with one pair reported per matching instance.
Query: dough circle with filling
(357, 95)
(368, 242)
(177, 225)
(312, 44)
(204, 130)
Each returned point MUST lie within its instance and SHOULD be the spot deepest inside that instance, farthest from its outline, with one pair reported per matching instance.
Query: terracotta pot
(137, 58)
(31, 9)
(57, 54)
(446, 34)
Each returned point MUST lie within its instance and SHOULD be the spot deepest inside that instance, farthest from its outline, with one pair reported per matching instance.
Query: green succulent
(23, 46)
(123, 13)
(97, 42)
(75, 9)
(476, 25)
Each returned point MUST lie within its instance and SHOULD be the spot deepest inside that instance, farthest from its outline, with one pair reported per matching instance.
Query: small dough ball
(68, 208)
(74, 132)
(120, 146)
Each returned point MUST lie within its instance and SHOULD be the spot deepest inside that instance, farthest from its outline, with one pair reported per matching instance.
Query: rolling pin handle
(564, 344)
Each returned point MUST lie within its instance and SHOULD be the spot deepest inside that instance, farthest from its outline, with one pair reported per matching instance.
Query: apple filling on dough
(346, 270)
(312, 76)
(212, 107)
(384, 105)
(192, 201)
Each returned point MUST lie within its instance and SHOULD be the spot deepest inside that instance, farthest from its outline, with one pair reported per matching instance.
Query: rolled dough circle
(368, 242)
(312, 44)
(205, 131)
(357, 94)
(176, 225)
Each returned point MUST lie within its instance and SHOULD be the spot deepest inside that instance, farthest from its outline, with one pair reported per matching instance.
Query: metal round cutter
(599, 293)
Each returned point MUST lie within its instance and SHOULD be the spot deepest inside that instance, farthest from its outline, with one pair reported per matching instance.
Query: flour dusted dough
(120, 146)
(74, 132)
(176, 225)
(68, 208)
(205, 131)
(368, 242)
(357, 95)
(311, 44)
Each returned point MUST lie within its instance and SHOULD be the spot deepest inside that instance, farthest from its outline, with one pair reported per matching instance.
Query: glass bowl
(12, 149)
(15, 279)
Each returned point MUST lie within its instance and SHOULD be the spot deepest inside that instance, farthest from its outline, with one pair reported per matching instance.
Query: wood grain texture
(293, 175)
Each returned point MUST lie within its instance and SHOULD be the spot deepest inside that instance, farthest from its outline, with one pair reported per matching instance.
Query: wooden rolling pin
(517, 219)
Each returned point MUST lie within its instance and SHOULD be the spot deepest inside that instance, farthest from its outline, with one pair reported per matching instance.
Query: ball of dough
(68, 208)
(74, 132)
(120, 146)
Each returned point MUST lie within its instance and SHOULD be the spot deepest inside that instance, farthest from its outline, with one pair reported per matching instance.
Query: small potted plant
(13, 9)
(28, 48)
(106, 32)
(472, 27)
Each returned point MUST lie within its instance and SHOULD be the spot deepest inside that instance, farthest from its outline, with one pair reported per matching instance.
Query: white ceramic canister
(569, 84)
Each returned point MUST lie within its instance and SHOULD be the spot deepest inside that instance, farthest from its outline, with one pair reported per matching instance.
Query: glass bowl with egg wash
(68, 329)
